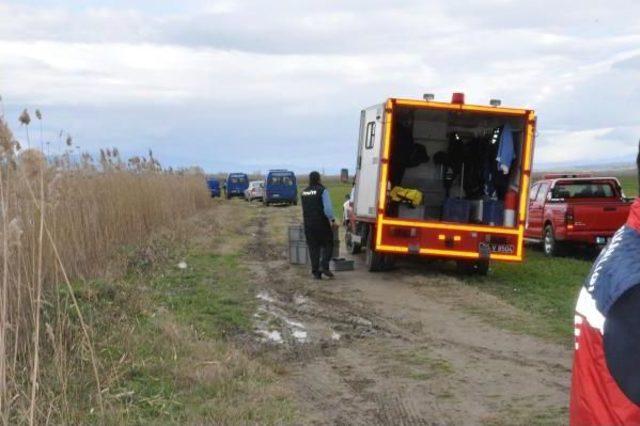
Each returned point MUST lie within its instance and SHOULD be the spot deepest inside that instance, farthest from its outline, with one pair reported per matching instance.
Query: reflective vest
(596, 397)
(313, 207)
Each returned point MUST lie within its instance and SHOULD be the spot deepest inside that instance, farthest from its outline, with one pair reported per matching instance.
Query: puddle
(300, 335)
(273, 336)
(265, 296)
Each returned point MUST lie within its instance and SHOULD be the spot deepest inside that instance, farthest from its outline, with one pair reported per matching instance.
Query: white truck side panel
(368, 167)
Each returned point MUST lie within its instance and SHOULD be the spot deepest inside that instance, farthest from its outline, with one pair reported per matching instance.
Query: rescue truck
(444, 180)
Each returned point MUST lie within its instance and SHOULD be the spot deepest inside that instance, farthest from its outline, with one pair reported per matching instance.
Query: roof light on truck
(457, 98)
(428, 97)
(495, 102)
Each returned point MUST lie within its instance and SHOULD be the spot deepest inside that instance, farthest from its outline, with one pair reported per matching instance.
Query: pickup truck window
(583, 190)
(542, 192)
(370, 135)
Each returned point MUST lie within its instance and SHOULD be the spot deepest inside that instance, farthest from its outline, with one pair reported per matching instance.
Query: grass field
(543, 287)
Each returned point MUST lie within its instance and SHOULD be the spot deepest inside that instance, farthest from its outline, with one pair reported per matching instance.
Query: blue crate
(456, 210)
(493, 212)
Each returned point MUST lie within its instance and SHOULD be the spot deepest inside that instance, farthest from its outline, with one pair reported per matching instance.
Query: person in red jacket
(605, 386)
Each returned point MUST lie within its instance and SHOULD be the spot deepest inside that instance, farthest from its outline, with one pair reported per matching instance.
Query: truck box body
(449, 221)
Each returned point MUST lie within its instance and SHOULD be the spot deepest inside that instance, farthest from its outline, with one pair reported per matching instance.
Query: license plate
(276, 195)
(499, 248)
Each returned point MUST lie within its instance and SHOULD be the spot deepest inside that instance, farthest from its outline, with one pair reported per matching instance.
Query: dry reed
(63, 223)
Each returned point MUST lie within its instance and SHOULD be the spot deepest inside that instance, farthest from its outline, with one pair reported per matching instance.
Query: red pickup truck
(575, 209)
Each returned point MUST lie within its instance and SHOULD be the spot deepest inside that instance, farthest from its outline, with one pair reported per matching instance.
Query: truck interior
(455, 166)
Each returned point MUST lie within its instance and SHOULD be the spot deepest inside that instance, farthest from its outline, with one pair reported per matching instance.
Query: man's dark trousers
(320, 243)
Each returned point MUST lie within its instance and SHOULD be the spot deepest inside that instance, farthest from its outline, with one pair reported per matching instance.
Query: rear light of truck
(569, 218)
(457, 98)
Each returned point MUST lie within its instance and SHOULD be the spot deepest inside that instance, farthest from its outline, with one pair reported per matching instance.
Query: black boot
(328, 273)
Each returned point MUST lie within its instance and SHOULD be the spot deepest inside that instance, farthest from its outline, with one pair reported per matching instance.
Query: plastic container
(298, 250)
(493, 212)
(456, 210)
(298, 253)
(341, 264)
(296, 233)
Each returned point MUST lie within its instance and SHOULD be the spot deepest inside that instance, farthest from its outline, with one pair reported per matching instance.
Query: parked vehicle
(442, 180)
(280, 188)
(254, 191)
(347, 207)
(235, 185)
(214, 187)
(577, 209)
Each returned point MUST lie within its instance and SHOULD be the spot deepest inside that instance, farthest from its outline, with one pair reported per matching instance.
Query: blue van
(280, 188)
(235, 185)
(214, 187)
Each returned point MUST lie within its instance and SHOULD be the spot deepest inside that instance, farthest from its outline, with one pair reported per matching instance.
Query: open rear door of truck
(368, 166)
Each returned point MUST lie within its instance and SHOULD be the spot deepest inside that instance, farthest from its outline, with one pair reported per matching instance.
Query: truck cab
(235, 185)
(280, 187)
(214, 187)
(575, 209)
(443, 180)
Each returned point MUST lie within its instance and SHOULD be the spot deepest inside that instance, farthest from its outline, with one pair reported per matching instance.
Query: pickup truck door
(536, 211)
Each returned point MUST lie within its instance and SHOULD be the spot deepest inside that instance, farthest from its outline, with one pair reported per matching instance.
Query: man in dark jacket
(318, 222)
(605, 389)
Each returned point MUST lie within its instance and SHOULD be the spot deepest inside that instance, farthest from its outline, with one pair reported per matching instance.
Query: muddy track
(395, 348)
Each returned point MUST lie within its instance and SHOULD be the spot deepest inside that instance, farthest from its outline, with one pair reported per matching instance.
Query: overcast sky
(254, 84)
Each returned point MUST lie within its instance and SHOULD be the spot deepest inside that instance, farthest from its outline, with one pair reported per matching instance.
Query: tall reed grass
(62, 223)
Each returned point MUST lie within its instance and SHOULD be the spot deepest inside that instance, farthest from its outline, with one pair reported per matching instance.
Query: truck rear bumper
(448, 240)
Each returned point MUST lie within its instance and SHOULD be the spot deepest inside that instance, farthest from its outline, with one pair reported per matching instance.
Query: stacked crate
(298, 251)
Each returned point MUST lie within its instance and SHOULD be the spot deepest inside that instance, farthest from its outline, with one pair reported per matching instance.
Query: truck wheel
(482, 267)
(465, 267)
(549, 243)
(389, 262)
(373, 259)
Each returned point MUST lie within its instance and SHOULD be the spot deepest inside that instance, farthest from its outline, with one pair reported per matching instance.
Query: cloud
(229, 77)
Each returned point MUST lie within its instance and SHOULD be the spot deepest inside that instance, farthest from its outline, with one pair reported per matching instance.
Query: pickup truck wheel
(373, 259)
(549, 243)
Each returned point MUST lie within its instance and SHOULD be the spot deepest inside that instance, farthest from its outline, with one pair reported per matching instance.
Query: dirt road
(411, 347)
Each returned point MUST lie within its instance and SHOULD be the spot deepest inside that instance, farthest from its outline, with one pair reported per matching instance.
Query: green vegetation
(629, 184)
(168, 335)
(169, 338)
(543, 287)
(546, 288)
(211, 295)
(338, 191)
